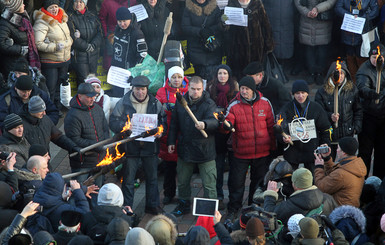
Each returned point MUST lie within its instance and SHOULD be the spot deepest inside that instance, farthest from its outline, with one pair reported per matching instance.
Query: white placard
(139, 11)
(303, 131)
(222, 4)
(236, 16)
(118, 76)
(353, 24)
(143, 122)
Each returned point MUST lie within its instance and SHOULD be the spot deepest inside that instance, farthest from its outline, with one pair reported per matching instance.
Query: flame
(279, 120)
(215, 115)
(160, 130)
(108, 159)
(147, 128)
(177, 91)
(127, 126)
(338, 67)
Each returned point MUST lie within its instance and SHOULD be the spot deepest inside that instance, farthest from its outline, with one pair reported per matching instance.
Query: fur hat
(254, 228)
(349, 145)
(302, 178)
(36, 104)
(70, 218)
(110, 195)
(162, 229)
(300, 85)
(123, 14)
(248, 82)
(173, 70)
(11, 121)
(253, 68)
(48, 3)
(12, 5)
(309, 228)
(24, 83)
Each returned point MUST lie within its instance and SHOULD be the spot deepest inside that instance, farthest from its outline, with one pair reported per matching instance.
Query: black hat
(226, 67)
(253, 68)
(70, 218)
(140, 81)
(48, 3)
(37, 149)
(349, 145)
(373, 49)
(123, 14)
(12, 121)
(24, 83)
(21, 65)
(20, 239)
(87, 89)
(300, 85)
(248, 82)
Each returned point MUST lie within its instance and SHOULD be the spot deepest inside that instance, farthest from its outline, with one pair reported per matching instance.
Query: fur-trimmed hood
(14, 18)
(207, 9)
(26, 175)
(346, 212)
(162, 227)
(346, 85)
(40, 15)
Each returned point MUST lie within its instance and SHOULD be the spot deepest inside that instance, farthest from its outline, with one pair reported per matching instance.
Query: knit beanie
(309, 228)
(253, 68)
(37, 150)
(36, 104)
(117, 229)
(12, 5)
(21, 65)
(254, 228)
(226, 67)
(293, 224)
(92, 80)
(300, 85)
(84, 1)
(302, 178)
(42, 238)
(382, 223)
(48, 3)
(110, 195)
(24, 83)
(349, 145)
(123, 14)
(248, 82)
(173, 70)
(11, 121)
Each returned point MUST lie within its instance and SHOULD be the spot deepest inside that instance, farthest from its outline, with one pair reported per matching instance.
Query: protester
(116, 231)
(102, 99)
(7, 171)
(69, 227)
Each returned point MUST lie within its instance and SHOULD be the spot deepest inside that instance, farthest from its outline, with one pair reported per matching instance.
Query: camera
(321, 150)
(128, 212)
(39, 209)
(4, 155)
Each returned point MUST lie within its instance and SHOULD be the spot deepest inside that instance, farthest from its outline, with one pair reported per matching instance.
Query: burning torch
(278, 129)
(183, 102)
(379, 67)
(221, 118)
(336, 78)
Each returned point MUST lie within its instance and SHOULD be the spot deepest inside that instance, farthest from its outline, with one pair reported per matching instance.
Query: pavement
(60, 164)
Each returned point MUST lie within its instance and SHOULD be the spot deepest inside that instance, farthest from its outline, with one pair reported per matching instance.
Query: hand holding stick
(278, 130)
(221, 118)
(183, 102)
(336, 81)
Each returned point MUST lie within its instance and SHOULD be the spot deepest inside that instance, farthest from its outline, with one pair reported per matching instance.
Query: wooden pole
(166, 31)
(336, 104)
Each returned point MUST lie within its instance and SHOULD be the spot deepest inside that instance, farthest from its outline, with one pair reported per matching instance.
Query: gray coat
(314, 32)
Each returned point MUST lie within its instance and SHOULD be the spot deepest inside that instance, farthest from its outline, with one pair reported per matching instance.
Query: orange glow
(338, 67)
(160, 130)
(147, 128)
(108, 159)
(279, 120)
(215, 115)
(127, 126)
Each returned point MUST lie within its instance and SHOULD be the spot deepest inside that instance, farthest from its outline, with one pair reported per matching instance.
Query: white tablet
(205, 206)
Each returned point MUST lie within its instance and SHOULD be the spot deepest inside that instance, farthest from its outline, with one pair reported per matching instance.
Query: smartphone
(205, 206)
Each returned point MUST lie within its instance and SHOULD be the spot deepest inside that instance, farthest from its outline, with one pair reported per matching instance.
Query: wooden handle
(93, 146)
(195, 120)
(336, 104)
(228, 125)
(166, 31)
(286, 137)
(378, 86)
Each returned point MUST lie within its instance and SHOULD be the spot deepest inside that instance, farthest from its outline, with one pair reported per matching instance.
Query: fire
(160, 130)
(279, 120)
(147, 128)
(108, 159)
(127, 126)
(215, 115)
(338, 68)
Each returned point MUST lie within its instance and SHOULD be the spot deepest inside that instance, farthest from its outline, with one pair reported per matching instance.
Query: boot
(182, 208)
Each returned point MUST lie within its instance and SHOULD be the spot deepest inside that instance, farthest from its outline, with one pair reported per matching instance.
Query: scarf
(83, 11)
(222, 91)
(58, 17)
(33, 54)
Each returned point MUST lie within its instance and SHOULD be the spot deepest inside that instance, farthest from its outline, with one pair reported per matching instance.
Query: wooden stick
(278, 130)
(93, 146)
(142, 135)
(336, 104)
(379, 67)
(228, 125)
(166, 31)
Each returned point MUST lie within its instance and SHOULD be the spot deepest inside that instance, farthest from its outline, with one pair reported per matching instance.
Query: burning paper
(143, 122)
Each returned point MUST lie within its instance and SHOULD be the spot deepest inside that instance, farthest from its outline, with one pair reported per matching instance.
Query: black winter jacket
(304, 152)
(195, 17)
(10, 178)
(85, 126)
(18, 145)
(192, 146)
(91, 32)
(349, 105)
(43, 131)
(10, 33)
(15, 103)
(366, 83)
(118, 118)
(275, 92)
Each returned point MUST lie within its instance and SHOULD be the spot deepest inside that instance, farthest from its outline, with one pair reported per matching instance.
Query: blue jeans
(150, 166)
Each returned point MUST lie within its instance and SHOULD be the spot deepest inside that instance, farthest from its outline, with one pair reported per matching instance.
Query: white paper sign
(118, 76)
(222, 4)
(303, 131)
(143, 122)
(352, 24)
(139, 11)
(236, 16)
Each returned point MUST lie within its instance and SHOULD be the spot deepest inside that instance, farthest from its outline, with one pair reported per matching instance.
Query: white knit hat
(293, 224)
(173, 70)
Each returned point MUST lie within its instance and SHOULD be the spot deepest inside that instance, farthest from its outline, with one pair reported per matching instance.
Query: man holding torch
(139, 101)
(369, 78)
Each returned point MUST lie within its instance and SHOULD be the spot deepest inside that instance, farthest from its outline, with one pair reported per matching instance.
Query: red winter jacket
(254, 135)
(166, 96)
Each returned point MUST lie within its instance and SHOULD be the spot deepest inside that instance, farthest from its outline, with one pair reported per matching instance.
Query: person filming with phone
(344, 178)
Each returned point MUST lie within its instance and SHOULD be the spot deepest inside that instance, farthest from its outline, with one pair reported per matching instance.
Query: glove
(77, 149)
(77, 34)
(328, 222)
(227, 128)
(90, 48)
(9, 41)
(224, 18)
(373, 94)
(205, 33)
(24, 50)
(59, 46)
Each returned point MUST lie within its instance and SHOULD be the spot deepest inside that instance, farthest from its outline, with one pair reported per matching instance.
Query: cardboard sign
(143, 122)
(302, 131)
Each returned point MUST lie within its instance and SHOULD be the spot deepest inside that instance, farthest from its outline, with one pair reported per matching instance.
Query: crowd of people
(315, 166)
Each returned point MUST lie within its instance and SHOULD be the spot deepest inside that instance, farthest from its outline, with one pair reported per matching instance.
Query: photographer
(344, 180)
(7, 173)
